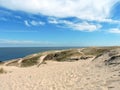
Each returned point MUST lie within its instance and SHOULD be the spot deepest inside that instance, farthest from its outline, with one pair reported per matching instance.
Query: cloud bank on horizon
(67, 15)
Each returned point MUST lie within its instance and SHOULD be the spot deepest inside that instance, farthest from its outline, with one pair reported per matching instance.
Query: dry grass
(95, 51)
(62, 56)
(30, 61)
(2, 71)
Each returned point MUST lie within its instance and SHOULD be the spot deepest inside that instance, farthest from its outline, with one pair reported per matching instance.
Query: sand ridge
(101, 72)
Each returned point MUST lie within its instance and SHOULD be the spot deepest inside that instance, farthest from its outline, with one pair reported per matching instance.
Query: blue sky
(41, 23)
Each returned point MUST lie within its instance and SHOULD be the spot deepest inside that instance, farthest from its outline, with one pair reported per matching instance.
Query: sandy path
(79, 75)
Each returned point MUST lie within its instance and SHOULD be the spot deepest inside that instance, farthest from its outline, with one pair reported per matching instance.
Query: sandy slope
(78, 75)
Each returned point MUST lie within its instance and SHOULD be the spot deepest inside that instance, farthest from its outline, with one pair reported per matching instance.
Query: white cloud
(108, 21)
(34, 23)
(90, 9)
(15, 41)
(26, 23)
(80, 26)
(115, 30)
(85, 26)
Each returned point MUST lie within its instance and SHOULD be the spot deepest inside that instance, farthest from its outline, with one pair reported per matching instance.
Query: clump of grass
(30, 61)
(62, 56)
(114, 60)
(95, 51)
(2, 71)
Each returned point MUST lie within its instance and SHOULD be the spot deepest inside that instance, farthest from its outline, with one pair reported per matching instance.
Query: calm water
(15, 52)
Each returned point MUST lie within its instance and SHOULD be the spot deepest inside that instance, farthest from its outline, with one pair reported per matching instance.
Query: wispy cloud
(19, 31)
(107, 21)
(24, 42)
(3, 19)
(84, 26)
(91, 13)
(18, 17)
(34, 23)
(90, 9)
(115, 30)
(27, 23)
(80, 26)
(37, 23)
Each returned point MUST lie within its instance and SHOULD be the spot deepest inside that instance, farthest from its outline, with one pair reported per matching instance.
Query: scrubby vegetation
(114, 60)
(95, 51)
(62, 56)
(30, 61)
(2, 71)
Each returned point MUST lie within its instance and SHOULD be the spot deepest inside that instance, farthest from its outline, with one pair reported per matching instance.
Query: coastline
(9, 53)
(47, 49)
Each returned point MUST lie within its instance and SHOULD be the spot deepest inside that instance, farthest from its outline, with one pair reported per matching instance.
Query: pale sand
(78, 75)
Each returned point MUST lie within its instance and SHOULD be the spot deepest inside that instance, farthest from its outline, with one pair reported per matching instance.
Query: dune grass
(95, 51)
(62, 56)
(30, 61)
(2, 71)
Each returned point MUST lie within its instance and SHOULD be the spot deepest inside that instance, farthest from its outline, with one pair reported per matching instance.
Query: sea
(8, 53)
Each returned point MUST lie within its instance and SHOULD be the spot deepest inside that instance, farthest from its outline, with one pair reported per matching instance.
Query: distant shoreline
(9, 53)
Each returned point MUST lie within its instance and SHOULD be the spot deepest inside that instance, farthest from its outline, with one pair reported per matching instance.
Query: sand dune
(90, 74)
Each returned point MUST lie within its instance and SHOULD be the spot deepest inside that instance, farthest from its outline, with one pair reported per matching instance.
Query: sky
(53, 23)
